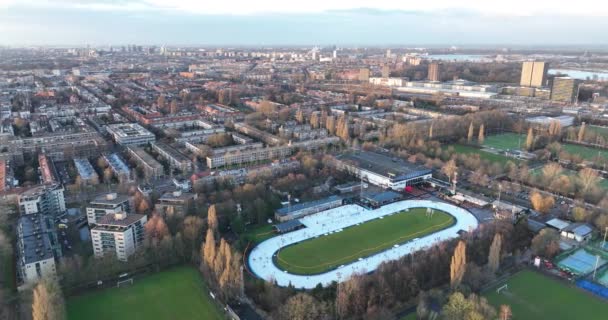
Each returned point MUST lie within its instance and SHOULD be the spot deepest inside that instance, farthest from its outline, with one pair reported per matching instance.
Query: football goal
(124, 283)
(501, 288)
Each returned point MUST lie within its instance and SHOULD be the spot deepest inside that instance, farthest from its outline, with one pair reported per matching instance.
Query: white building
(129, 134)
(119, 234)
(109, 203)
(389, 82)
(44, 199)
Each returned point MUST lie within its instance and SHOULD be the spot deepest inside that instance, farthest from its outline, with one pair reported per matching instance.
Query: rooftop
(384, 165)
(300, 206)
(112, 222)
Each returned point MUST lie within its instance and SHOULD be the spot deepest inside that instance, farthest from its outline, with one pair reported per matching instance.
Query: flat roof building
(534, 73)
(43, 199)
(152, 169)
(119, 234)
(109, 203)
(128, 134)
(382, 170)
(37, 247)
(175, 158)
(564, 89)
(300, 210)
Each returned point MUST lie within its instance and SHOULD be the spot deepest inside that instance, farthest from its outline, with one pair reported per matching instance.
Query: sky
(310, 22)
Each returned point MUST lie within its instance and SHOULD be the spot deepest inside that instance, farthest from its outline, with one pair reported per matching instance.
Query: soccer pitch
(483, 155)
(333, 250)
(584, 152)
(505, 141)
(534, 296)
(178, 293)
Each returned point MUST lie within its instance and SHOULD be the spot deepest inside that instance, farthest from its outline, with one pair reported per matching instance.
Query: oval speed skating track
(261, 257)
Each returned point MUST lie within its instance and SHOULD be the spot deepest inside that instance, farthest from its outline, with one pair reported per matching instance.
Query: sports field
(534, 296)
(333, 250)
(586, 153)
(505, 141)
(483, 155)
(603, 183)
(178, 293)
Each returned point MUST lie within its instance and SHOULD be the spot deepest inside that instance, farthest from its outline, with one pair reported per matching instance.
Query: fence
(594, 288)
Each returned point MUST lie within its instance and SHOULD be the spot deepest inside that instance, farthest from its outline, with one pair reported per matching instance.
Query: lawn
(327, 252)
(603, 131)
(505, 141)
(259, 233)
(483, 155)
(179, 293)
(534, 296)
(586, 153)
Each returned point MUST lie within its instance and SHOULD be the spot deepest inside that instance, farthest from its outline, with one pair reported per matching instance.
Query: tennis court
(580, 262)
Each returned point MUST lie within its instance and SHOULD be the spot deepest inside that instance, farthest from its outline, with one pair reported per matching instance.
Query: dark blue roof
(296, 207)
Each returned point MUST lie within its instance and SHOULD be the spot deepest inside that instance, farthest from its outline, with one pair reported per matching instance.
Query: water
(580, 74)
(460, 57)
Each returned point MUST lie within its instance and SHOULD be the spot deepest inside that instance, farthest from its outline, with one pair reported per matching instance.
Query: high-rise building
(43, 199)
(37, 247)
(109, 203)
(119, 234)
(364, 74)
(386, 71)
(434, 71)
(534, 73)
(564, 89)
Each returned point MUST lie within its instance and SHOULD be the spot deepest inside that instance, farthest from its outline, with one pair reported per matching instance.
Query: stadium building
(383, 171)
(300, 210)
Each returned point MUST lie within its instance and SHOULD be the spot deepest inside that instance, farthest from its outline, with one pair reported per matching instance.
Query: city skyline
(101, 22)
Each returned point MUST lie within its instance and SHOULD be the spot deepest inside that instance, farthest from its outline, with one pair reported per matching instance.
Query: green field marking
(587, 153)
(178, 293)
(534, 296)
(505, 141)
(483, 155)
(327, 252)
(259, 233)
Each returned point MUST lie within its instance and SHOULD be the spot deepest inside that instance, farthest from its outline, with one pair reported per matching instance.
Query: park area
(178, 293)
(535, 296)
(332, 250)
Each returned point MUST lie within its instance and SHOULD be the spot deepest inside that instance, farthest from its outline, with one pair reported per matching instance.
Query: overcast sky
(309, 22)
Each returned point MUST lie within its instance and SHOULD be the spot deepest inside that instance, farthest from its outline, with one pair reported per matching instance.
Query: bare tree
(48, 302)
(212, 220)
(458, 265)
(471, 131)
(482, 135)
(587, 179)
(494, 255)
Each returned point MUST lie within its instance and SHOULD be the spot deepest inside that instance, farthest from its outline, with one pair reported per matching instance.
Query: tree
(156, 229)
(587, 178)
(208, 250)
(303, 307)
(458, 265)
(449, 169)
(48, 302)
(212, 220)
(192, 227)
(471, 132)
(579, 214)
(581, 133)
(530, 140)
(551, 171)
(300, 116)
(494, 255)
(431, 131)
(545, 243)
(482, 137)
(314, 120)
(173, 107)
(472, 308)
(505, 312)
(160, 102)
(540, 203)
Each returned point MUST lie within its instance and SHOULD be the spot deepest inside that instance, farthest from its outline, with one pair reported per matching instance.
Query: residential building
(534, 73)
(37, 247)
(564, 89)
(176, 203)
(86, 173)
(175, 158)
(364, 74)
(43, 199)
(152, 169)
(129, 134)
(109, 203)
(118, 166)
(433, 74)
(119, 234)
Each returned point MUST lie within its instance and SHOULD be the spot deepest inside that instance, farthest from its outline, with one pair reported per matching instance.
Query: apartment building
(152, 168)
(175, 158)
(37, 247)
(130, 134)
(105, 204)
(119, 234)
(43, 199)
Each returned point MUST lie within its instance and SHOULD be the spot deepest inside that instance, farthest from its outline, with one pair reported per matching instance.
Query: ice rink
(260, 258)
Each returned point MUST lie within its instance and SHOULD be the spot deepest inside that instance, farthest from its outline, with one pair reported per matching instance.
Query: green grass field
(586, 153)
(178, 293)
(483, 155)
(603, 131)
(327, 252)
(259, 233)
(505, 141)
(534, 296)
